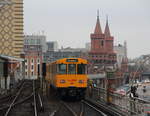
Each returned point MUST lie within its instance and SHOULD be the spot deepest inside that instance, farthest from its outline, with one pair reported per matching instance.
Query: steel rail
(53, 113)
(41, 103)
(35, 104)
(106, 108)
(19, 102)
(6, 99)
(93, 107)
(18, 93)
(70, 110)
(11, 94)
(110, 109)
(82, 109)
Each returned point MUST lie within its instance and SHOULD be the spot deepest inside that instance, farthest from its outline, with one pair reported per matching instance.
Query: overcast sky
(70, 22)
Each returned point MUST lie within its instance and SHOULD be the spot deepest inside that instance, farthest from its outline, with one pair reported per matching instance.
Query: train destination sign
(72, 60)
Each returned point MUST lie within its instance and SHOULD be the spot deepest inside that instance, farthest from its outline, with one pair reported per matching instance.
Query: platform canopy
(146, 74)
(11, 58)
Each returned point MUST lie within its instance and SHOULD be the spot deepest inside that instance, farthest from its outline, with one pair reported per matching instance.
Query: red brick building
(101, 55)
(33, 64)
(33, 49)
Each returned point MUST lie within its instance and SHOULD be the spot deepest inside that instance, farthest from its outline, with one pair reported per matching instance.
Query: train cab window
(71, 68)
(62, 68)
(81, 68)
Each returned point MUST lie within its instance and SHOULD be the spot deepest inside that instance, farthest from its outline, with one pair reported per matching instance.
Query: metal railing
(127, 105)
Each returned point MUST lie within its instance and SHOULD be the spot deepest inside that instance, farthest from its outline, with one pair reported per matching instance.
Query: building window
(32, 60)
(26, 67)
(26, 60)
(32, 67)
(102, 43)
(26, 73)
(32, 73)
(38, 60)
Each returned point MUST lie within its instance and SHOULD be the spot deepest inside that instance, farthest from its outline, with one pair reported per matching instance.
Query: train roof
(71, 60)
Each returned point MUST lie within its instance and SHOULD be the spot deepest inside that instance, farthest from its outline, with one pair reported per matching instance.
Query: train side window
(81, 68)
(71, 68)
(62, 68)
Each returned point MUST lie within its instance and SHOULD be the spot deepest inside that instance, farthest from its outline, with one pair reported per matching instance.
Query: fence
(129, 106)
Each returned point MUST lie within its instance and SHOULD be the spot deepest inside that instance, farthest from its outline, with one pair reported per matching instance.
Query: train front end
(71, 79)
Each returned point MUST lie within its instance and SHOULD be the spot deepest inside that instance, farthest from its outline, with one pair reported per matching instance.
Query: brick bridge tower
(101, 55)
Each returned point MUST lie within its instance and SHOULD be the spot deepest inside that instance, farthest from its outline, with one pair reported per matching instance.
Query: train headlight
(62, 81)
(81, 81)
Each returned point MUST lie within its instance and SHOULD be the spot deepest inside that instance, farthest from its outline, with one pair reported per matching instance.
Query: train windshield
(81, 68)
(71, 68)
(62, 68)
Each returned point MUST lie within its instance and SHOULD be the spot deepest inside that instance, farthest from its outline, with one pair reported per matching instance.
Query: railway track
(28, 102)
(93, 107)
(82, 108)
(23, 102)
(85, 108)
(66, 109)
(7, 98)
(105, 108)
(69, 107)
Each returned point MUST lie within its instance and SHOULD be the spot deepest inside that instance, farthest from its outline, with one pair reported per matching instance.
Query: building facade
(52, 46)
(11, 71)
(121, 51)
(11, 27)
(101, 55)
(33, 64)
(51, 56)
(34, 47)
(35, 42)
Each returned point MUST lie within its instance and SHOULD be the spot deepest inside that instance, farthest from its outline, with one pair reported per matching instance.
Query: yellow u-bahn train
(68, 76)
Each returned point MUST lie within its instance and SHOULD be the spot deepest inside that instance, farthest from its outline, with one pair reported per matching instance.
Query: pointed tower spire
(98, 26)
(107, 31)
(97, 14)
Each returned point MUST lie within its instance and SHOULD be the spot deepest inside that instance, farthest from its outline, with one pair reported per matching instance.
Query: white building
(36, 40)
(88, 46)
(121, 51)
